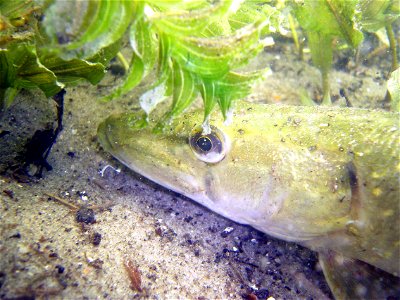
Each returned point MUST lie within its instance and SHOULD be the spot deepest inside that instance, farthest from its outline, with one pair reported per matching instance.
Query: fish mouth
(117, 129)
(162, 159)
(102, 136)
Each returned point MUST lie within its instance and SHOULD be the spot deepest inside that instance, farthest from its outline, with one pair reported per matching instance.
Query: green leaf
(86, 27)
(227, 89)
(321, 50)
(234, 86)
(186, 22)
(9, 96)
(164, 65)
(248, 13)
(24, 70)
(72, 71)
(133, 78)
(214, 57)
(143, 42)
(14, 9)
(330, 17)
(324, 20)
(143, 58)
(208, 93)
(345, 13)
(376, 14)
(106, 54)
(178, 5)
(185, 91)
(163, 86)
(252, 11)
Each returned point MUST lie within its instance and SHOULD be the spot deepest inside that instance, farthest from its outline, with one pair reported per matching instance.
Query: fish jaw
(154, 156)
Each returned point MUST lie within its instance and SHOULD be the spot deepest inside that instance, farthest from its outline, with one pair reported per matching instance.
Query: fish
(324, 177)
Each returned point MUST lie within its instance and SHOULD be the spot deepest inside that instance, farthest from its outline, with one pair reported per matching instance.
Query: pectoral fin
(353, 279)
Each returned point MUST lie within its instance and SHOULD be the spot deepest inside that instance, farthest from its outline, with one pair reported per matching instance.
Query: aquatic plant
(188, 47)
(378, 15)
(25, 63)
(178, 48)
(329, 24)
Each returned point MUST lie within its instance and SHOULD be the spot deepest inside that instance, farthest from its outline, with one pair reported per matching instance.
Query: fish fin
(353, 279)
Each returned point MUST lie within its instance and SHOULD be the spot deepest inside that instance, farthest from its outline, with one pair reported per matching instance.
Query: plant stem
(322, 56)
(326, 100)
(392, 43)
(294, 33)
(123, 61)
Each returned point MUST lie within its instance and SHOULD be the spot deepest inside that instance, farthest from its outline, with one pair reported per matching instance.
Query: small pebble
(60, 269)
(96, 239)
(85, 215)
(226, 231)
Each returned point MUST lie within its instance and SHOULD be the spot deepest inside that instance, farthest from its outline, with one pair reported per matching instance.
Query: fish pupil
(204, 143)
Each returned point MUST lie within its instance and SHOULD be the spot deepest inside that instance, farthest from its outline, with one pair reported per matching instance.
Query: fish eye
(210, 148)
(204, 143)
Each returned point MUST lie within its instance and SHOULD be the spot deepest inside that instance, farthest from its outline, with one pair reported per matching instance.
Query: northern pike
(324, 177)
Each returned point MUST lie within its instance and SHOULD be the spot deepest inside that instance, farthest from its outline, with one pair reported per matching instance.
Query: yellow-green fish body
(324, 177)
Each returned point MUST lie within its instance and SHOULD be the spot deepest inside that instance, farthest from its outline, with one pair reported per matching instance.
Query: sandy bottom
(146, 241)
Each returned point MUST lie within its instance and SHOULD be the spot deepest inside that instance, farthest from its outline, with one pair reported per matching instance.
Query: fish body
(324, 177)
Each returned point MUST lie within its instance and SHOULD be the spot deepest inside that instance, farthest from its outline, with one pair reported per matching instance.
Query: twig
(62, 201)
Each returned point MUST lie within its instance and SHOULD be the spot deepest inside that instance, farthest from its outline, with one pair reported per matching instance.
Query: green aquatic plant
(334, 19)
(25, 64)
(378, 15)
(329, 24)
(179, 48)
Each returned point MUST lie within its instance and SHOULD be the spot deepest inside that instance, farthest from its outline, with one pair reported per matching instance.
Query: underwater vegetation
(331, 25)
(24, 61)
(179, 48)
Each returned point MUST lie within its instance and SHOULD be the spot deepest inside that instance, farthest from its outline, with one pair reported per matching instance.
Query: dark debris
(85, 215)
(96, 238)
(38, 147)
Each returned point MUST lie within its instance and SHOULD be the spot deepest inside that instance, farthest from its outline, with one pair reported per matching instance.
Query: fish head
(243, 170)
